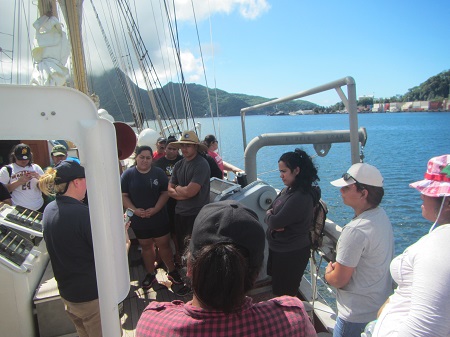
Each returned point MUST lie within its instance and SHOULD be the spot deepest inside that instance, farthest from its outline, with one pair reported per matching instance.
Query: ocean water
(398, 144)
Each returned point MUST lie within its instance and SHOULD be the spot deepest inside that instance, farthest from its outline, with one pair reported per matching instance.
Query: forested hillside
(435, 88)
(112, 98)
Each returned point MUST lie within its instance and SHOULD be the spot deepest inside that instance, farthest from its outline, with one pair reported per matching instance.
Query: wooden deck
(165, 291)
(48, 302)
(138, 298)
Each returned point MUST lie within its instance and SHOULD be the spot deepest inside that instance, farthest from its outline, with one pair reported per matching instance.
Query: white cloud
(192, 66)
(252, 9)
(249, 9)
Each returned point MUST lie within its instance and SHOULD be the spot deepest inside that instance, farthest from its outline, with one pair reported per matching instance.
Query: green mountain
(436, 88)
(112, 98)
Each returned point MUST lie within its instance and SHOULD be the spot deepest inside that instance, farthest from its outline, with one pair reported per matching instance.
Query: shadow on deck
(138, 298)
(163, 291)
(54, 321)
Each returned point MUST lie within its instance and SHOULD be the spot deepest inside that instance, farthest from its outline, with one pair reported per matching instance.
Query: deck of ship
(53, 319)
(164, 291)
(138, 298)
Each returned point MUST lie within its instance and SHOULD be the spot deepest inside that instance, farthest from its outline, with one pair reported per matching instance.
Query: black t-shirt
(167, 164)
(144, 190)
(214, 168)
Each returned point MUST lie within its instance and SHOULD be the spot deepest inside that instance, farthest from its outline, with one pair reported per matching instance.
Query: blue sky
(387, 46)
(276, 48)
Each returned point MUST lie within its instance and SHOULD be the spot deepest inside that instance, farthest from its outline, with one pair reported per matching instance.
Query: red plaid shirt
(281, 316)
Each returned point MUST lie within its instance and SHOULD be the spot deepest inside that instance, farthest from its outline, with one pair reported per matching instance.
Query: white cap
(362, 173)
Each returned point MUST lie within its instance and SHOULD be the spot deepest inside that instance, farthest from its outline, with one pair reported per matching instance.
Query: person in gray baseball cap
(224, 256)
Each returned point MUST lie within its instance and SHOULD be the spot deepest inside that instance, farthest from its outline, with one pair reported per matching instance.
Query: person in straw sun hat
(190, 138)
(420, 304)
(189, 185)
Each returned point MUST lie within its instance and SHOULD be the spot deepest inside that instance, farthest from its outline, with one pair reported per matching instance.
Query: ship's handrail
(322, 141)
(349, 102)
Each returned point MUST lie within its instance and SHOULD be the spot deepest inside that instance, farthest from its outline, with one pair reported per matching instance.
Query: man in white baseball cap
(364, 251)
(360, 173)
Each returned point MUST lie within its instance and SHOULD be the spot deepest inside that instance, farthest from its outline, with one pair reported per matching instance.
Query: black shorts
(153, 230)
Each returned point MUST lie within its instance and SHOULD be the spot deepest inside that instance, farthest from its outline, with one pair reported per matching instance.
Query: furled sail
(51, 52)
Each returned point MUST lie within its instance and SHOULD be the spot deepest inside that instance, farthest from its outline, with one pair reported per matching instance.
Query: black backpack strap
(9, 168)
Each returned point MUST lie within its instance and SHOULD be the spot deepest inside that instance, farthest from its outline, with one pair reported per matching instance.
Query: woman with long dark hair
(288, 220)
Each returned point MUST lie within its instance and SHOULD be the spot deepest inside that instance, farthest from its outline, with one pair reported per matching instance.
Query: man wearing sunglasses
(364, 252)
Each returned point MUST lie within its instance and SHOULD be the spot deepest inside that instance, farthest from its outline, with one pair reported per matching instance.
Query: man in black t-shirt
(172, 156)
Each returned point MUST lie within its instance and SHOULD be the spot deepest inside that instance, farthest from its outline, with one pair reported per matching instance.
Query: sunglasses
(346, 176)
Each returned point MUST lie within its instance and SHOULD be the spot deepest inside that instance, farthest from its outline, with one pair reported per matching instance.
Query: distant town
(416, 106)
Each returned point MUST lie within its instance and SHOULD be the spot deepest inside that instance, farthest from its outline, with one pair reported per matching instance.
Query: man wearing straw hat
(189, 185)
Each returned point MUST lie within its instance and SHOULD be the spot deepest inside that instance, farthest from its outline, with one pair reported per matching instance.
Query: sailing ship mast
(72, 11)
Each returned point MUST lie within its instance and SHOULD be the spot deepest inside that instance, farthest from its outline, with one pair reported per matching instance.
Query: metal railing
(322, 140)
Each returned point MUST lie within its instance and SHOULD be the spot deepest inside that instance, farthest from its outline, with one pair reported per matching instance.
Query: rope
(144, 60)
(203, 63)
(185, 93)
(214, 75)
(317, 277)
(266, 172)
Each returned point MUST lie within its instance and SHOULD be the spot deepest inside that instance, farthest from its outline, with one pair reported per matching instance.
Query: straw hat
(189, 137)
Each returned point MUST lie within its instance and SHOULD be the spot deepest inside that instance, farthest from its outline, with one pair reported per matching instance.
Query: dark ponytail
(221, 276)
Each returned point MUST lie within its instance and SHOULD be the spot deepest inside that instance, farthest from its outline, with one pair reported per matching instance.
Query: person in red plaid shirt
(224, 257)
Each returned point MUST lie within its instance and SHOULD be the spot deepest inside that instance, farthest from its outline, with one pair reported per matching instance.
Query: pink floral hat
(437, 178)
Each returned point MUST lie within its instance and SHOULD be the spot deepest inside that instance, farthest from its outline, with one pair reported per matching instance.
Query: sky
(277, 48)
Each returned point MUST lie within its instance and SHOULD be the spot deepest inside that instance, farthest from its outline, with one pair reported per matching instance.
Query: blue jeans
(348, 329)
